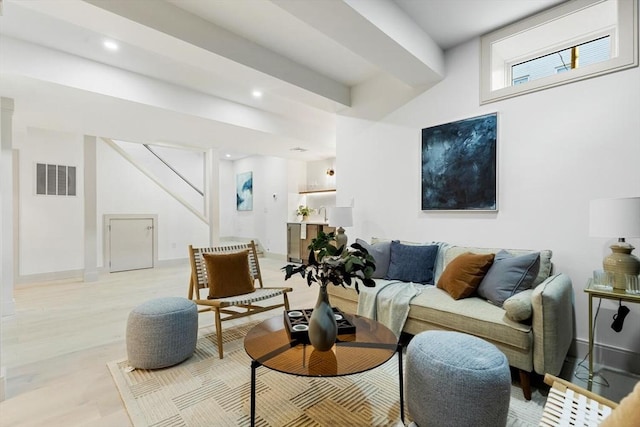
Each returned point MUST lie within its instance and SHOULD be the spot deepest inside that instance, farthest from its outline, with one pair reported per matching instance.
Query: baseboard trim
(604, 355)
(31, 279)
(8, 307)
(177, 262)
(272, 255)
(3, 383)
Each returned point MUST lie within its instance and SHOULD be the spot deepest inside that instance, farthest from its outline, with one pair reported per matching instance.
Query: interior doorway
(130, 242)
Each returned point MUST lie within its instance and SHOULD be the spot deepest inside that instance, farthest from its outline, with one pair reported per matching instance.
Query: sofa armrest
(552, 322)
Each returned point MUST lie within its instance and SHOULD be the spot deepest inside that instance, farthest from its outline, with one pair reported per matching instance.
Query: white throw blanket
(388, 302)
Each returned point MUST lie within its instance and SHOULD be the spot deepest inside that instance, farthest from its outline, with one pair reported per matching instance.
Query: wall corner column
(7, 255)
(6, 214)
(90, 210)
(212, 192)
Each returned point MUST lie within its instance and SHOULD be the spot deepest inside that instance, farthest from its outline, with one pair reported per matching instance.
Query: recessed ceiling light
(227, 155)
(110, 45)
(256, 94)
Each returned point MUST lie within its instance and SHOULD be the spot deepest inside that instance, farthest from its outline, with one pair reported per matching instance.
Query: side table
(612, 294)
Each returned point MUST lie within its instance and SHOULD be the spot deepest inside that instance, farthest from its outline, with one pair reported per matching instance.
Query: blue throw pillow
(411, 263)
(381, 253)
(509, 275)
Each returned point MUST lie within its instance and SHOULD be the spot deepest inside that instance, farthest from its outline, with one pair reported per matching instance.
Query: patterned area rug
(206, 391)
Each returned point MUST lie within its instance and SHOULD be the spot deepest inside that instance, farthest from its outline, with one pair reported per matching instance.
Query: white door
(130, 243)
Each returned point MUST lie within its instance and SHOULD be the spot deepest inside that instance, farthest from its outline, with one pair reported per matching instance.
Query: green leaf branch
(330, 264)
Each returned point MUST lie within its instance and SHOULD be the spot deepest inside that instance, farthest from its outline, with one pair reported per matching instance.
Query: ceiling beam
(379, 32)
(166, 28)
(194, 30)
(25, 59)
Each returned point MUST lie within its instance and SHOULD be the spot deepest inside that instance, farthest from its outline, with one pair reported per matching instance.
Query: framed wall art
(459, 165)
(244, 191)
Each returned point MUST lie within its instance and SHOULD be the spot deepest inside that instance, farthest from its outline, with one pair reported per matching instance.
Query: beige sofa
(537, 344)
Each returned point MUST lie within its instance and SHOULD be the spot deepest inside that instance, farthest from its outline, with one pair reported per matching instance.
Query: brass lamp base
(621, 262)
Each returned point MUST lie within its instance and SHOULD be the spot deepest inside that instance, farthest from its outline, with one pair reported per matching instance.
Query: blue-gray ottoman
(456, 380)
(162, 332)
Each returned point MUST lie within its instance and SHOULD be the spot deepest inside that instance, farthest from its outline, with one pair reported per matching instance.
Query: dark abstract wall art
(459, 165)
(244, 191)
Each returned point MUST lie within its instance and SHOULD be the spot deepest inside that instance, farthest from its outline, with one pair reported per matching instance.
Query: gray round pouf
(162, 332)
(456, 380)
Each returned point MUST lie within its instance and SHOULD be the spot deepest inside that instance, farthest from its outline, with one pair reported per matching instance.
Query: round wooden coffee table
(269, 344)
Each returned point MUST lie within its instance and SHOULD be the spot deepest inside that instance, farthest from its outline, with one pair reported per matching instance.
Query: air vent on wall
(55, 180)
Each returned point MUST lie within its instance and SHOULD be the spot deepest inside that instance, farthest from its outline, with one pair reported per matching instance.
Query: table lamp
(617, 218)
(340, 217)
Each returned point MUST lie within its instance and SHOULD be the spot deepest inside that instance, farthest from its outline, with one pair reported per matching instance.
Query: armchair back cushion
(228, 274)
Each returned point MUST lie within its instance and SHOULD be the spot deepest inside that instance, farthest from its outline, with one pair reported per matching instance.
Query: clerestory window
(580, 55)
(576, 40)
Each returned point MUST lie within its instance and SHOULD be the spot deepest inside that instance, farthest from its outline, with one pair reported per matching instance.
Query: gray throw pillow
(411, 263)
(508, 276)
(381, 253)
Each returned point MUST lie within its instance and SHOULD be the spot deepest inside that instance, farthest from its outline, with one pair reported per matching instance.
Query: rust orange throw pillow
(228, 274)
(464, 273)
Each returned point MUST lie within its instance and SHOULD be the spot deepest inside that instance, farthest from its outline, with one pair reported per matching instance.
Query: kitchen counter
(309, 222)
(299, 238)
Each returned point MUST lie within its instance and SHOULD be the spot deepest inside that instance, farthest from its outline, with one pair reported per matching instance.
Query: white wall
(51, 235)
(267, 222)
(51, 232)
(227, 198)
(317, 178)
(51, 229)
(557, 149)
(186, 169)
(123, 189)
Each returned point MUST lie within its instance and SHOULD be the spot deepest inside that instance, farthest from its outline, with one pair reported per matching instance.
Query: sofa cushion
(545, 258)
(471, 315)
(518, 307)
(442, 250)
(509, 275)
(462, 276)
(381, 253)
(412, 263)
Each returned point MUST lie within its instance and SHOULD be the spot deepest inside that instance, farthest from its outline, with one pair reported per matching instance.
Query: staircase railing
(152, 177)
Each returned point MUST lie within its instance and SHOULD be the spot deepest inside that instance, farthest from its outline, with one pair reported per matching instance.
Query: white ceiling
(185, 70)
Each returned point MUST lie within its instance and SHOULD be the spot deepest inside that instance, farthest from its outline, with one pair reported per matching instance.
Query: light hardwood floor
(57, 345)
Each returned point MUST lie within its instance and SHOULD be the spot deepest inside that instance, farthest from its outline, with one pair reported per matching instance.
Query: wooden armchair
(571, 405)
(230, 307)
